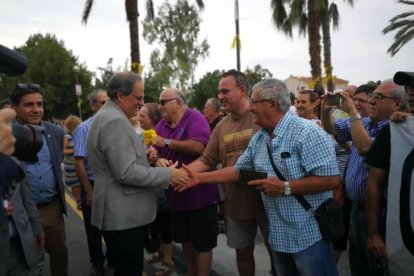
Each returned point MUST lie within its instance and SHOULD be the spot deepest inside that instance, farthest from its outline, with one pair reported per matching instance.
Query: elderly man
(45, 176)
(212, 112)
(96, 99)
(386, 98)
(182, 135)
(304, 155)
(379, 160)
(243, 205)
(123, 199)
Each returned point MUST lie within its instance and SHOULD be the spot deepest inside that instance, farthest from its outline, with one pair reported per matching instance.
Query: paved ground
(223, 257)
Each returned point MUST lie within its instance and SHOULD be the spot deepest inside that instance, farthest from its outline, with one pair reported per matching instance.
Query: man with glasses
(244, 208)
(386, 99)
(182, 135)
(304, 155)
(124, 201)
(96, 100)
(379, 160)
(45, 176)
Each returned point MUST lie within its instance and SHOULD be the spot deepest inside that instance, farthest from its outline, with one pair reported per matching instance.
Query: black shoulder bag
(328, 214)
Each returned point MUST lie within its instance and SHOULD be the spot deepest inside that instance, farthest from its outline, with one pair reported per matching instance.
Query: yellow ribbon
(137, 66)
(235, 40)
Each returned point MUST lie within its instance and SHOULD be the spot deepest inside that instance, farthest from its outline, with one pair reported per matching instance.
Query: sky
(359, 49)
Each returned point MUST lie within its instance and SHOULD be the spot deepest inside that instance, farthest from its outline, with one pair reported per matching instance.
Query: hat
(403, 78)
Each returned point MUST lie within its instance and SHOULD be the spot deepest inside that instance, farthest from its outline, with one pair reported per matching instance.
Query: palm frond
(334, 15)
(408, 2)
(150, 9)
(296, 9)
(400, 16)
(398, 24)
(398, 44)
(200, 4)
(303, 24)
(86, 11)
(280, 18)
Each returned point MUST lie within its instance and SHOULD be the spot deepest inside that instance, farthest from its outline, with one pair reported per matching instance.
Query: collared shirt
(307, 151)
(41, 177)
(356, 172)
(79, 144)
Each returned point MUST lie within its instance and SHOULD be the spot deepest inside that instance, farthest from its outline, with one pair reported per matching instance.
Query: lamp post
(78, 89)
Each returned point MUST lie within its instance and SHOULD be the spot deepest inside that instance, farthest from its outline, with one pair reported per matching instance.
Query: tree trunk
(326, 34)
(314, 37)
(131, 7)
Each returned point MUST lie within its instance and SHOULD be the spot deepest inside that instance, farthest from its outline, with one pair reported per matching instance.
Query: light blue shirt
(79, 144)
(307, 151)
(41, 177)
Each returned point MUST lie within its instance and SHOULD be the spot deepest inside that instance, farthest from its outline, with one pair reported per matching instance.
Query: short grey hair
(122, 82)
(215, 103)
(400, 94)
(92, 95)
(176, 93)
(274, 89)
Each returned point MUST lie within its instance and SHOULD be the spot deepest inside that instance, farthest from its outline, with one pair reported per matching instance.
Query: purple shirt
(193, 126)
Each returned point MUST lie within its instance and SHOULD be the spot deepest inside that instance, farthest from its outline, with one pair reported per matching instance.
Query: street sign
(78, 89)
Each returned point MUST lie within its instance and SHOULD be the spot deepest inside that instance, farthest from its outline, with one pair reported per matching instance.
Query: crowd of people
(142, 194)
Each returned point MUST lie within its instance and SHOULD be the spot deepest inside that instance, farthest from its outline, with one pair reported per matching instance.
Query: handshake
(181, 179)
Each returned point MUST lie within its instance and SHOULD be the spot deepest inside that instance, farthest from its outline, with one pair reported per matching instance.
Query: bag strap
(299, 198)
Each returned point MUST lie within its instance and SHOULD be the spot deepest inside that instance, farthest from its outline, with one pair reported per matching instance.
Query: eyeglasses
(164, 101)
(28, 86)
(261, 101)
(225, 91)
(380, 97)
(360, 100)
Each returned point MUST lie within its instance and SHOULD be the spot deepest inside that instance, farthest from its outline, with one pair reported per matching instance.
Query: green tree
(257, 74)
(404, 23)
(205, 88)
(175, 31)
(105, 74)
(51, 66)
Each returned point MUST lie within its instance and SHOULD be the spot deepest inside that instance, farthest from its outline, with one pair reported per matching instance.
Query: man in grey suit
(45, 176)
(22, 237)
(124, 202)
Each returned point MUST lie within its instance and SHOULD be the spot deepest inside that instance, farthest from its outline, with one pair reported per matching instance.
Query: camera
(28, 142)
(334, 99)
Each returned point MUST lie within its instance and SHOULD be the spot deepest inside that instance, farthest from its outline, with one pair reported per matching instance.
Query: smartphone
(334, 100)
(246, 176)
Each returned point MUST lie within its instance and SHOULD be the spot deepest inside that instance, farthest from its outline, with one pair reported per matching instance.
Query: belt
(40, 205)
(359, 206)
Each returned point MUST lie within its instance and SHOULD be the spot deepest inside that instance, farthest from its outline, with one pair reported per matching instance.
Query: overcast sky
(358, 47)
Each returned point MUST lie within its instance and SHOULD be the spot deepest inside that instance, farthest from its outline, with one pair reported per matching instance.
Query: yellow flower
(149, 137)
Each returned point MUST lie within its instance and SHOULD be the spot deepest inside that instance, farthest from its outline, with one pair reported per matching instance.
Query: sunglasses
(164, 101)
(28, 86)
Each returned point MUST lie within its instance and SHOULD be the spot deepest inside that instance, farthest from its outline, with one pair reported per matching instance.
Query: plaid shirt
(311, 149)
(356, 172)
(79, 144)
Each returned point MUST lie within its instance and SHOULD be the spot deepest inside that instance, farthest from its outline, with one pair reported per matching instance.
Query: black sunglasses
(28, 86)
(164, 101)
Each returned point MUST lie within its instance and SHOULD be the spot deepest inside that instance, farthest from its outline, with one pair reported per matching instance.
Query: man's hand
(179, 177)
(40, 240)
(9, 208)
(7, 140)
(347, 104)
(160, 141)
(89, 198)
(161, 162)
(376, 246)
(399, 116)
(270, 186)
(152, 154)
(192, 180)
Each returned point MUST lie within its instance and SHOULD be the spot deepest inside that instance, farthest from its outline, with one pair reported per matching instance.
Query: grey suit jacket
(123, 195)
(28, 225)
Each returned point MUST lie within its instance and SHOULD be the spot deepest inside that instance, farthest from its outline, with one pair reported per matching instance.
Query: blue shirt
(311, 149)
(356, 172)
(79, 144)
(41, 177)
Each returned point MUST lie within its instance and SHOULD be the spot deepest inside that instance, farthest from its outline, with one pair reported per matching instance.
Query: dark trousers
(93, 234)
(127, 249)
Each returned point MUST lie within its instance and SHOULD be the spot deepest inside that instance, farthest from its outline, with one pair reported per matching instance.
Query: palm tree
(305, 15)
(405, 25)
(131, 8)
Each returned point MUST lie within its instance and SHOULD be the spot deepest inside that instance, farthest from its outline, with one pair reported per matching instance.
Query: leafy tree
(257, 74)
(51, 66)
(206, 88)
(403, 22)
(105, 74)
(175, 31)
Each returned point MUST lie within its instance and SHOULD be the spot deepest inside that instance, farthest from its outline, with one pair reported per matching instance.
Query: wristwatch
(167, 142)
(287, 188)
(355, 117)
